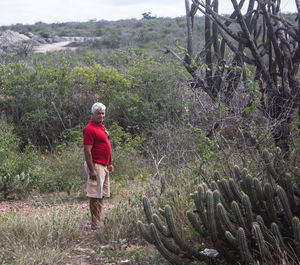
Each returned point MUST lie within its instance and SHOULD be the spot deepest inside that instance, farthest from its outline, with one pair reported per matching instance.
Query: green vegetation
(166, 145)
(243, 218)
(146, 33)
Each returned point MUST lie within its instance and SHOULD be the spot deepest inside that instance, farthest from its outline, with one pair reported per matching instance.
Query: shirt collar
(96, 124)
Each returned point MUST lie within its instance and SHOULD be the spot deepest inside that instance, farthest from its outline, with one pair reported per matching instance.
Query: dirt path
(62, 45)
(82, 253)
(51, 47)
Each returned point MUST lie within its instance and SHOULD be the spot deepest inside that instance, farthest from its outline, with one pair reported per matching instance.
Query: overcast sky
(54, 11)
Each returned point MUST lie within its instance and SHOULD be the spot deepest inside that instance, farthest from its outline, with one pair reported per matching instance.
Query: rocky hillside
(15, 42)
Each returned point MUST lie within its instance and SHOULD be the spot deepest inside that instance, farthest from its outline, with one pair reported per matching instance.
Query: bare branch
(219, 21)
(253, 47)
(190, 33)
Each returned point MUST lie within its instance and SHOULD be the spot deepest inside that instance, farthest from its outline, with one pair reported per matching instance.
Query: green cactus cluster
(10, 183)
(246, 219)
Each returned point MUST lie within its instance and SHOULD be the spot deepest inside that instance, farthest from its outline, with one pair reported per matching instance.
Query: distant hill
(151, 33)
(143, 33)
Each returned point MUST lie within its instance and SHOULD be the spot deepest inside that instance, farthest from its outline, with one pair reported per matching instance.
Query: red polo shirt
(96, 135)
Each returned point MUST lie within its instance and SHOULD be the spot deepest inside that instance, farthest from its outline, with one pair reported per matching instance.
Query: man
(98, 165)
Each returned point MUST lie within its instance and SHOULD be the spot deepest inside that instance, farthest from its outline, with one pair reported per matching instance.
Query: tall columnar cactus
(244, 218)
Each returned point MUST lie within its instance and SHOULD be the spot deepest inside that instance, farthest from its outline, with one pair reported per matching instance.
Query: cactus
(244, 218)
(242, 244)
(148, 210)
(177, 238)
(266, 233)
(248, 209)
(159, 245)
(234, 189)
(222, 215)
(296, 228)
(157, 232)
(225, 188)
(200, 209)
(13, 183)
(161, 228)
(238, 215)
(211, 216)
(196, 224)
(258, 191)
(276, 232)
(260, 240)
(231, 239)
(285, 204)
(144, 233)
(268, 191)
(237, 172)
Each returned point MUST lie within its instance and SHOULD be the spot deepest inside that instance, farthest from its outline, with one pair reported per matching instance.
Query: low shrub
(15, 165)
(61, 171)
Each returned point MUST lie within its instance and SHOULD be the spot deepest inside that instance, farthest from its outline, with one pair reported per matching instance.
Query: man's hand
(110, 169)
(89, 162)
(93, 175)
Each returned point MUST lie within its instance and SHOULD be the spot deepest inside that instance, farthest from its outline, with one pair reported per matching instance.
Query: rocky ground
(14, 42)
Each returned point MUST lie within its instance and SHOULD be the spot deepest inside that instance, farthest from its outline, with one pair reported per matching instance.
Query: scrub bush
(15, 165)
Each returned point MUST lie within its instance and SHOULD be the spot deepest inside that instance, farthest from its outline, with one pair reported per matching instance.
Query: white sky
(54, 11)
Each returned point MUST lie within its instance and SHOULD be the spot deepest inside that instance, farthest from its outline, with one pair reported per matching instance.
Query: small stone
(125, 262)
(85, 250)
(210, 252)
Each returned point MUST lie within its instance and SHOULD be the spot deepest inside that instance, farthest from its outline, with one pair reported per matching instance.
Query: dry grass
(58, 232)
(48, 238)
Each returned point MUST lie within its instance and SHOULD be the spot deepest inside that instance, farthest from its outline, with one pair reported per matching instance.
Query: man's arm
(89, 161)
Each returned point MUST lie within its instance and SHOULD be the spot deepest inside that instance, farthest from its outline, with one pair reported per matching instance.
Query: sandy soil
(62, 45)
(58, 46)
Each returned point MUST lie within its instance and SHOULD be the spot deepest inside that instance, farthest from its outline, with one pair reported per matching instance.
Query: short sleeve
(88, 138)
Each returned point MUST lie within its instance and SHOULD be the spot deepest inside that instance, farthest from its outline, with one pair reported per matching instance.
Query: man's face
(98, 116)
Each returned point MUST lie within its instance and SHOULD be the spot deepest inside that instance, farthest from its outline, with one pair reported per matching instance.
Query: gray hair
(96, 106)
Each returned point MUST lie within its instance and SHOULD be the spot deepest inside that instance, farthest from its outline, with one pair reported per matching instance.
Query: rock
(210, 252)
(29, 35)
(124, 262)
(85, 250)
(9, 37)
(57, 39)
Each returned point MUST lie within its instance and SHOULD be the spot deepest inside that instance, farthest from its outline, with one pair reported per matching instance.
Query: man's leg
(96, 205)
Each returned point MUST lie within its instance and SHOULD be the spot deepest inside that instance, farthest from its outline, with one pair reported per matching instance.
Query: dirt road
(51, 47)
(62, 45)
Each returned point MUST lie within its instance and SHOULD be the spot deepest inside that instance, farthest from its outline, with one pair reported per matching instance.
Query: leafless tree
(261, 39)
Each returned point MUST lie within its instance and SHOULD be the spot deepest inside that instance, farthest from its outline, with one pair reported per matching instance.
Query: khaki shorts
(101, 187)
